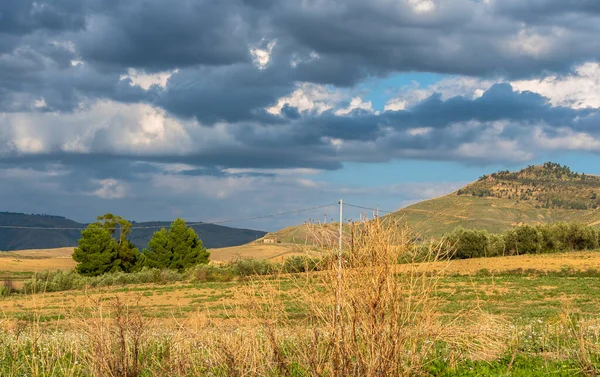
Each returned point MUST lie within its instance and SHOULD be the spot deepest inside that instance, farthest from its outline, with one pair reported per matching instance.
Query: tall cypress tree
(160, 253)
(97, 251)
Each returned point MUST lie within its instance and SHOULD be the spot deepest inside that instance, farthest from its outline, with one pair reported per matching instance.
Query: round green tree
(177, 249)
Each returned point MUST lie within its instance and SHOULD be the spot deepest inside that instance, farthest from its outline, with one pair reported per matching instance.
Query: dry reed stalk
(116, 334)
(390, 322)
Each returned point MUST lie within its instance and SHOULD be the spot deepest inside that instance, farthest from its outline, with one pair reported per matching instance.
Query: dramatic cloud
(110, 101)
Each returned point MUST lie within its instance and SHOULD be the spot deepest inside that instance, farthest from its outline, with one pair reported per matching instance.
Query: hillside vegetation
(547, 186)
(499, 201)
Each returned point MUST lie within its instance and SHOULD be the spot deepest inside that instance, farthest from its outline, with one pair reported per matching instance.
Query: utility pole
(338, 308)
(337, 323)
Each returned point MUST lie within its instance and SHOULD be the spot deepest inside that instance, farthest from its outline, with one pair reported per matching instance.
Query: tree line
(101, 250)
(524, 239)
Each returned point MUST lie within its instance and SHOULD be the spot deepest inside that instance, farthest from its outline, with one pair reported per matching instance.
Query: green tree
(127, 254)
(99, 252)
(582, 237)
(96, 252)
(177, 249)
(469, 243)
(160, 253)
(524, 239)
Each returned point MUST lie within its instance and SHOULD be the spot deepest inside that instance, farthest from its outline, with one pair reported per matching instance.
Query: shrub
(7, 288)
(210, 272)
(249, 266)
(553, 237)
(301, 263)
(56, 281)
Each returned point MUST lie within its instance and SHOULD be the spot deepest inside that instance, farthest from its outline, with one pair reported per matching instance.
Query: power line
(189, 224)
(372, 209)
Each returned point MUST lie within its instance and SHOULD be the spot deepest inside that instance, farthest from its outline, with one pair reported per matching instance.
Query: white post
(339, 271)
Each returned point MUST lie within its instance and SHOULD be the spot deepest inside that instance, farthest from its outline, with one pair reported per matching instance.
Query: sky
(217, 110)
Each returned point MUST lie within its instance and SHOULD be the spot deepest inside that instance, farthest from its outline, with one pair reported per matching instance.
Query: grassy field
(543, 285)
(526, 297)
(531, 315)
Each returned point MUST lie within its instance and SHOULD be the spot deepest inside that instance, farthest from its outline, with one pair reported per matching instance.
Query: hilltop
(498, 201)
(213, 236)
(545, 186)
(537, 194)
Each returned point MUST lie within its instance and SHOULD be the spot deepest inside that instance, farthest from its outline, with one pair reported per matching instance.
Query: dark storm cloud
(432, 129)
(459, 36)
(335, 42)
(23, 16)
(62, 55)
(227, 93)
(537, 10)
(159, 35)
(500, 102)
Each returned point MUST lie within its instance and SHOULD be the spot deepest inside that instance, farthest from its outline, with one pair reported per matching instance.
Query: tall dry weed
(372, 318)
(117, 335)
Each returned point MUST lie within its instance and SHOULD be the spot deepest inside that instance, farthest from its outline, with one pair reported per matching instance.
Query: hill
(536, 194)
(213, 236)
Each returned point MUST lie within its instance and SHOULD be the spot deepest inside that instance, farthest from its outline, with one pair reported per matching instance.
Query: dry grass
(371, 318)
(361, 320)
(256, 250)
(577, 261)
(37, 260)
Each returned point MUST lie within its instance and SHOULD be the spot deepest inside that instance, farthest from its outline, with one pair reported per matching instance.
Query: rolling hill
(537, 194)
(213, 236)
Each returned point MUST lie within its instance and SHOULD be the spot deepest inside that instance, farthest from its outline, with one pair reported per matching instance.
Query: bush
(529, 240)
(57, 281)
(7, 288)
(553, 237)
(301, 263)
(249, 266)
(208, 273)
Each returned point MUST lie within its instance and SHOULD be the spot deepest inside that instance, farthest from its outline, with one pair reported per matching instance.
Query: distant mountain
(212, 236)
(536, 194)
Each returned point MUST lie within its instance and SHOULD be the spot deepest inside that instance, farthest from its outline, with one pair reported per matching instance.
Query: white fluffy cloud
(146, 80)
(356, 103)
(104, 126)
(110, 189)
(262, 56)
(309, 97)
(579, 89)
